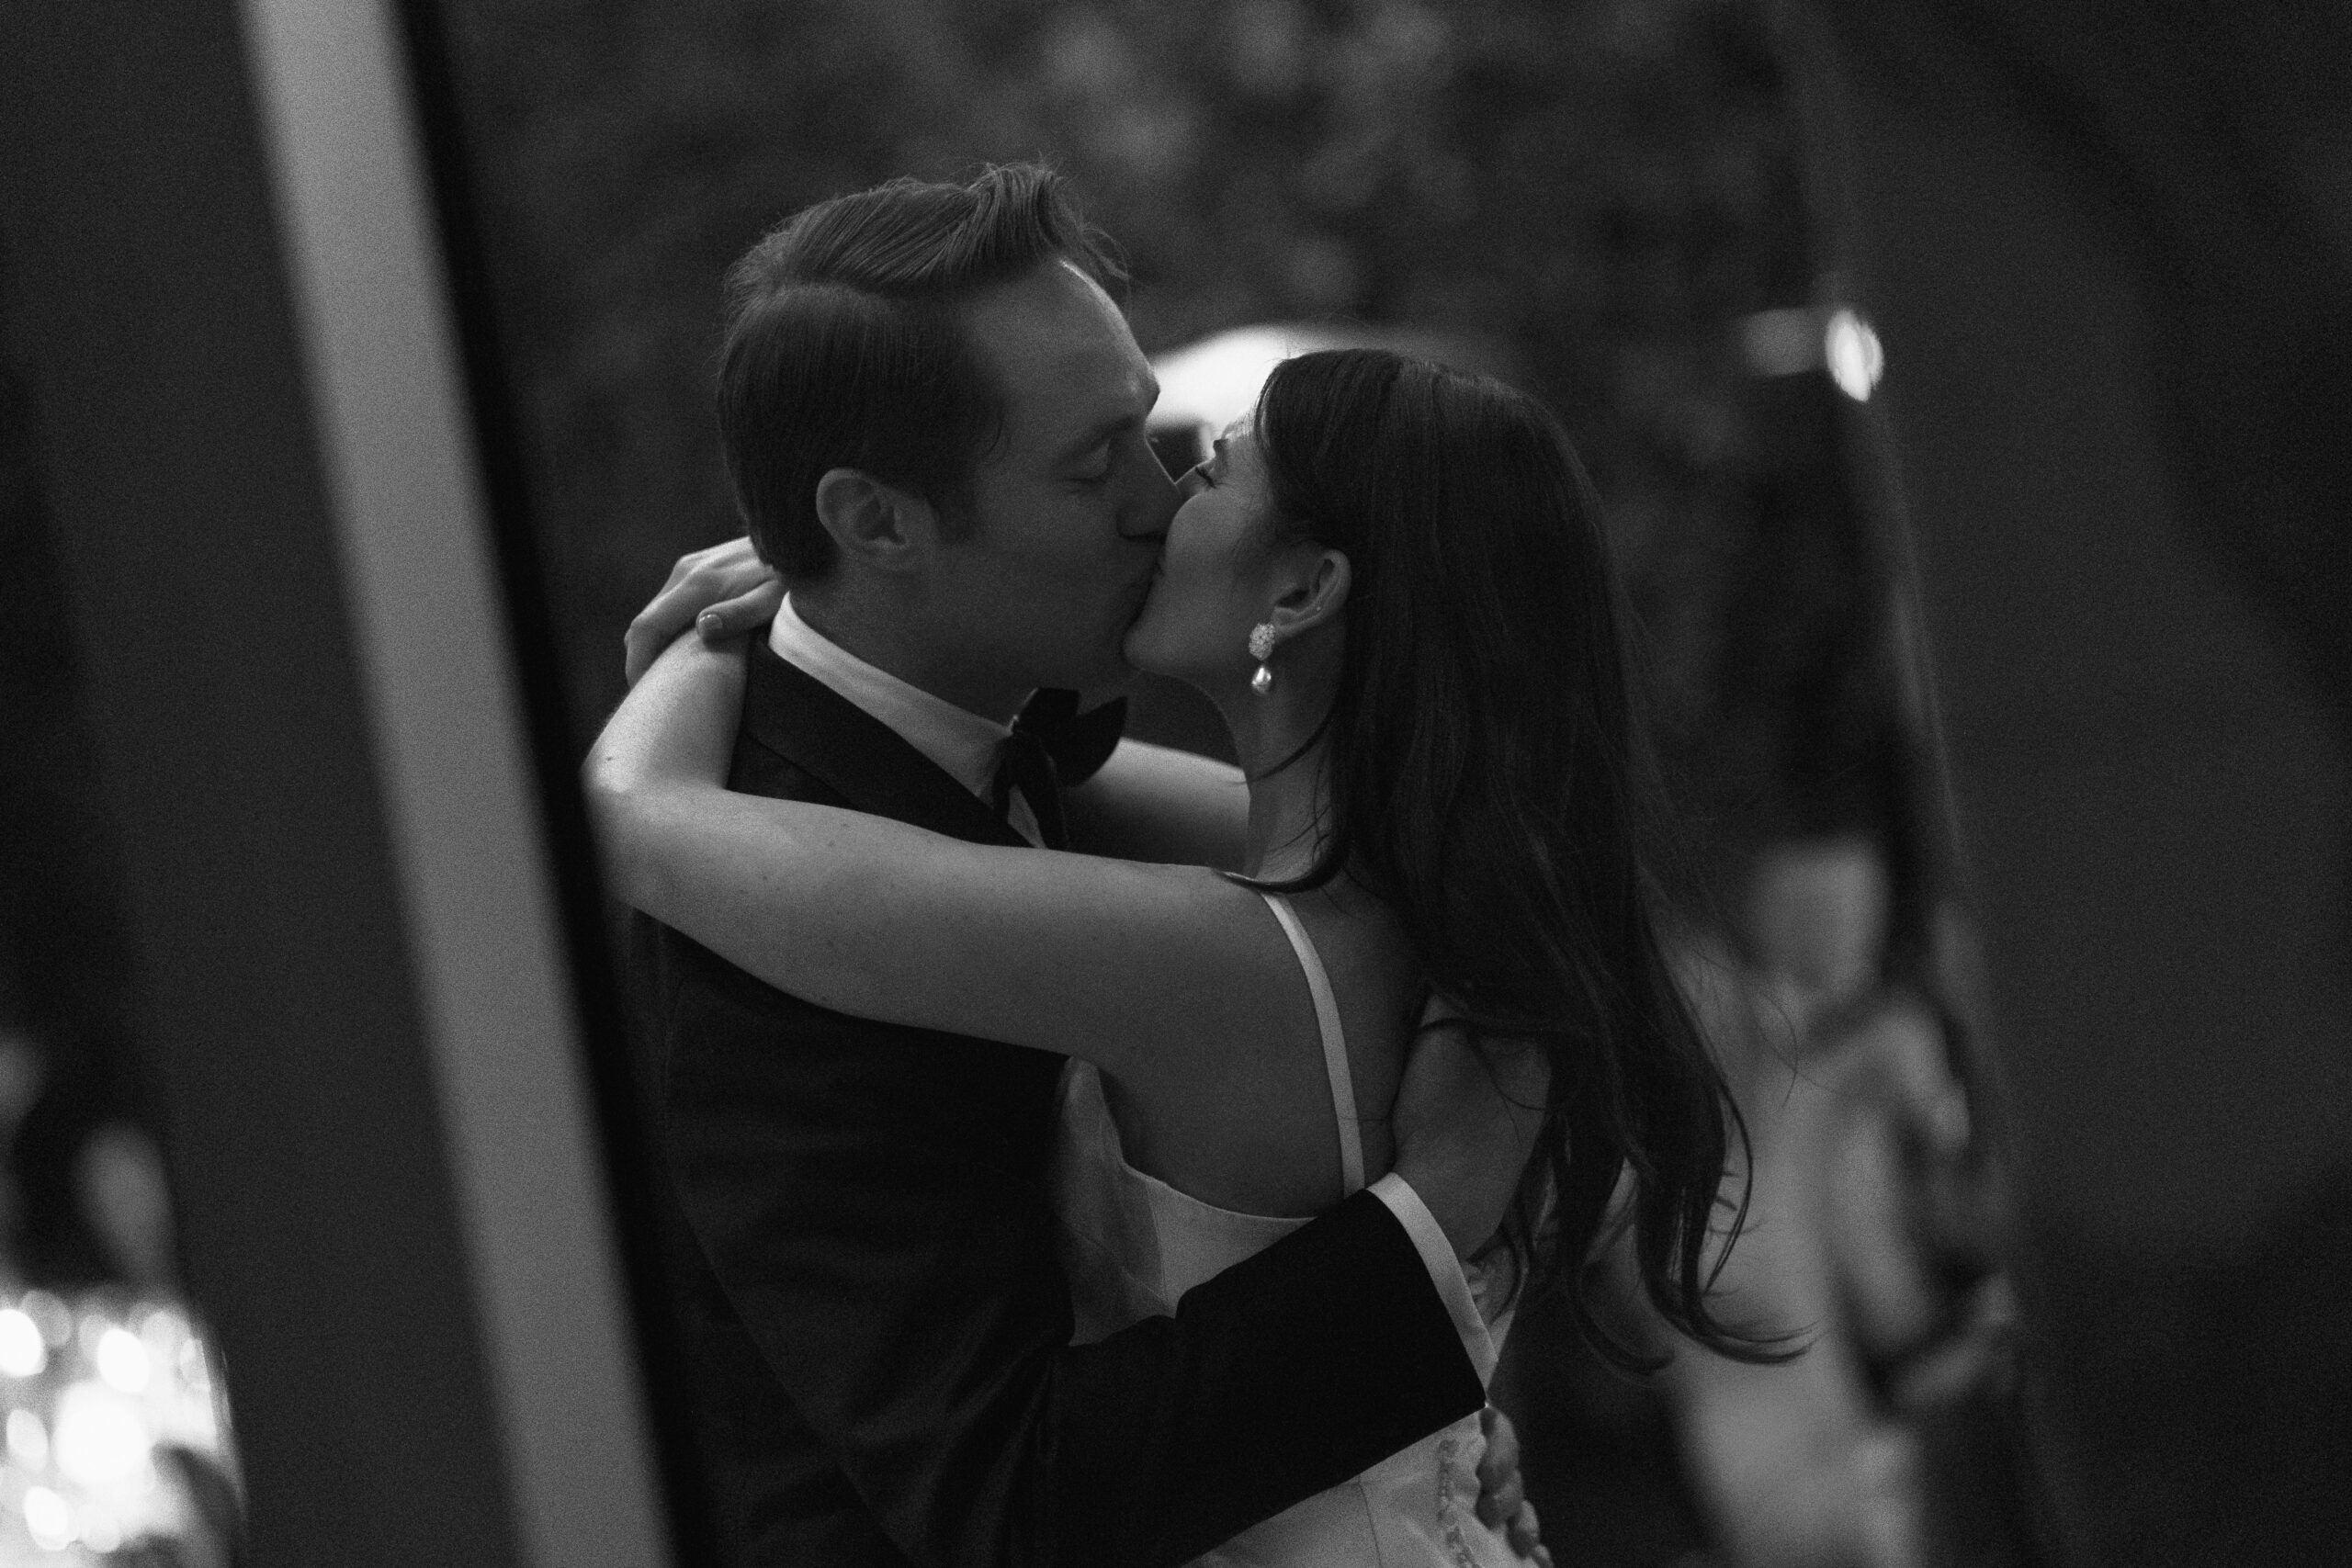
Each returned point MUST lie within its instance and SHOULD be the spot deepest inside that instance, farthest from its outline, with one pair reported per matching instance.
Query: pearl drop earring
(1261, 649)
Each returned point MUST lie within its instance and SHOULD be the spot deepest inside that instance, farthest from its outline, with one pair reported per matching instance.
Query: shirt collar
(961, 742)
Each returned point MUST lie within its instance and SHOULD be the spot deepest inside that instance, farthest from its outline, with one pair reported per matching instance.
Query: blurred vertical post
(226, 293)
(2115, 291)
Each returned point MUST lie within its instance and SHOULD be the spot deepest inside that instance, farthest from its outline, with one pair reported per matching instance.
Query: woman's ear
(1316, 597)
(873, 520)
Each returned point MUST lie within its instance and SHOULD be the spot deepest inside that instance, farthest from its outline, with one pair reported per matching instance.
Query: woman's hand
(723, 592)
(1502, 1495)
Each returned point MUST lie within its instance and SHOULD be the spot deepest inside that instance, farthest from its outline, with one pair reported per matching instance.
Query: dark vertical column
(2147, 725)
(151, 315)
(339, 940)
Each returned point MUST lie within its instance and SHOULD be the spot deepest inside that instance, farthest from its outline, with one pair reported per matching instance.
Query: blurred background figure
(1825, 953)
(1832, 980)
(2111, 257)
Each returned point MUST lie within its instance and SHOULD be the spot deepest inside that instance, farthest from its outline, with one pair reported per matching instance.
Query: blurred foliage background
(1603, 187)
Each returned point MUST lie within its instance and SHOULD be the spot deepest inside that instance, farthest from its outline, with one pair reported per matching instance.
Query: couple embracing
(1081, 1155)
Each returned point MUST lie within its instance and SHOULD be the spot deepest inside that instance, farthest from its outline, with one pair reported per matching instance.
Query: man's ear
(1316, 597)
(878, 523)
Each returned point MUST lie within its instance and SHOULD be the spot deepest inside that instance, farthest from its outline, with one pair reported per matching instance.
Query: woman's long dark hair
(1490, 784)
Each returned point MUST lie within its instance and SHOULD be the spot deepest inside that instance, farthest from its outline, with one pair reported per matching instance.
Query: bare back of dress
(1132, 1245)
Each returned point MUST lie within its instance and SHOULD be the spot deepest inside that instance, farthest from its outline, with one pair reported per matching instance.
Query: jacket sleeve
(869, 1201)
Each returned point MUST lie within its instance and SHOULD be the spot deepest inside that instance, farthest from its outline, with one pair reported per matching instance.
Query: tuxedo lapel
(807, 722)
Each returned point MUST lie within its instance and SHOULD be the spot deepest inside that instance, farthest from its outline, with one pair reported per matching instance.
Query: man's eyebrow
(1097, 435)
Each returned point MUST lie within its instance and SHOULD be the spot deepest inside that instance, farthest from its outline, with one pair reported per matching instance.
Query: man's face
(1070, 503)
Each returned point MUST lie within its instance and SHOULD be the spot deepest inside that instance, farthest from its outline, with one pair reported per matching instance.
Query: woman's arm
(1134, 967)
(1153, 803)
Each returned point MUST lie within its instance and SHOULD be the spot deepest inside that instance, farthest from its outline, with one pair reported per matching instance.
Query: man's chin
(1110, 678)
(1106, 673)
(1093, 696)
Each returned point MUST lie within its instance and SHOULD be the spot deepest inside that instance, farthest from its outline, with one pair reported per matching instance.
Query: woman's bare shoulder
(1261, 1135)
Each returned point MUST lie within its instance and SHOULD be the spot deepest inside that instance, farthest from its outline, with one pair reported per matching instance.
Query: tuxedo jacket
(864, 1253)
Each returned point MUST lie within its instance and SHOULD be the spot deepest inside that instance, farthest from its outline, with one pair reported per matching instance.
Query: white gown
(1132, 1245)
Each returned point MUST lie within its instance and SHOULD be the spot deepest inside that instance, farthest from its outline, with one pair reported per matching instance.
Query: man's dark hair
(845, 349)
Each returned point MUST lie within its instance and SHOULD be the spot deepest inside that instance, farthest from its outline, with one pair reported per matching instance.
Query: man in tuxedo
(933, 416)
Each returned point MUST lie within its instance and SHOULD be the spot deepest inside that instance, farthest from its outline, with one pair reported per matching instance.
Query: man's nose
(1153, 503)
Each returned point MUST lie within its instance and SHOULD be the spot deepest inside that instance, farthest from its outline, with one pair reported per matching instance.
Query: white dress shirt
(964, 746)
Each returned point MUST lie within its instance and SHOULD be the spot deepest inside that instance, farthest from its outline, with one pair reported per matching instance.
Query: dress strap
(1335, 1042)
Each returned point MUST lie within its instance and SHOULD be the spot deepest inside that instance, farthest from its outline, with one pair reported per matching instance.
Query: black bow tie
(1078, 743)
(1025, 764)
(1053, 744)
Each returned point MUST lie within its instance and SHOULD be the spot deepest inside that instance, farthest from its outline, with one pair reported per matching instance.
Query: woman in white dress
(1392, 583)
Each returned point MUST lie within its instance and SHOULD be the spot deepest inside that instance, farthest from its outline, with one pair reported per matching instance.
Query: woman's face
(1215, 581)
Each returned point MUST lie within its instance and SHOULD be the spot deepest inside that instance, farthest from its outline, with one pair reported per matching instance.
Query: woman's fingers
(1501, 1505)
(744, 614)
(730, 578)
(1501, 1492)
(1526, 1536)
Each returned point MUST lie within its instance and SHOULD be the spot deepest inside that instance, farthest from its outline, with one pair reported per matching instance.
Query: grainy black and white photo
(1093, 784)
